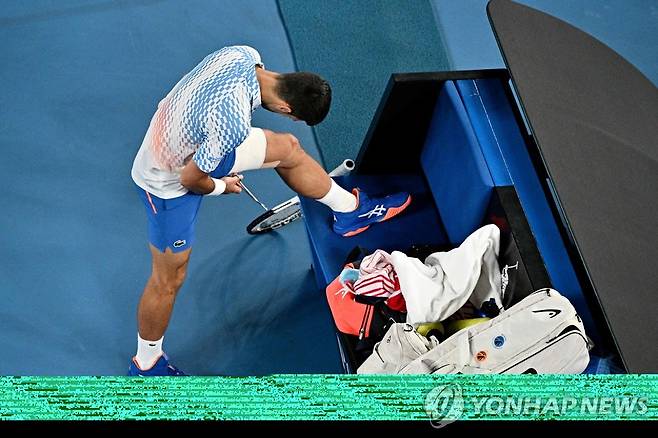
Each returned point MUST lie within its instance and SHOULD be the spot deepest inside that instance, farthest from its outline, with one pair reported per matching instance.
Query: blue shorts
(171, 222)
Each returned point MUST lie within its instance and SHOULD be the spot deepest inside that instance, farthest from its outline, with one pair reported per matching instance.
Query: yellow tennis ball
(424, 329)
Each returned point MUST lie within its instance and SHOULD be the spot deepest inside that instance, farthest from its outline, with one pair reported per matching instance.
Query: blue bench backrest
(455, 167)
(486, 123)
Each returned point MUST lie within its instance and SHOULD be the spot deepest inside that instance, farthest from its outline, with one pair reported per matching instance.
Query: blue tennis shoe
(369, 210)
(162, 367)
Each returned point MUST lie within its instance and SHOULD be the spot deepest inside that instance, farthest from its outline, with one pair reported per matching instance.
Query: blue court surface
(80, 82)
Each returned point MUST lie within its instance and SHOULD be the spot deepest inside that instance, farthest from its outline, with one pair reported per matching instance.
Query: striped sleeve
(227, 126)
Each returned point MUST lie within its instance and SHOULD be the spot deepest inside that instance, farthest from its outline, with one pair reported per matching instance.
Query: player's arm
(197, 181)
(221, 137)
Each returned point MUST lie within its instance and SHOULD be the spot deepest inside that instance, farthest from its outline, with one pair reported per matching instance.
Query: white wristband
(220, 187)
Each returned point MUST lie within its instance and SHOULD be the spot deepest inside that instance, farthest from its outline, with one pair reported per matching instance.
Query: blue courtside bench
(458, 143)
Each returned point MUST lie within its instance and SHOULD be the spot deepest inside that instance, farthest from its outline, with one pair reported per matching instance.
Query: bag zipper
(364, 322)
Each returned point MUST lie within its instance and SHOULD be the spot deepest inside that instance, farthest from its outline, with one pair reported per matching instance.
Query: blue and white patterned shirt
(205, 116)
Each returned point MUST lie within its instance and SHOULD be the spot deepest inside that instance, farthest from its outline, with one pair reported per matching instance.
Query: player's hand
(233, 183)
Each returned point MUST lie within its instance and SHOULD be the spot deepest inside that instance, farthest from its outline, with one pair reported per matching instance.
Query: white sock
(339, 199)
(148, 352)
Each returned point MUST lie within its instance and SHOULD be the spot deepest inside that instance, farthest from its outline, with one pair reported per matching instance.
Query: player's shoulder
(243, 48)
(247, 52)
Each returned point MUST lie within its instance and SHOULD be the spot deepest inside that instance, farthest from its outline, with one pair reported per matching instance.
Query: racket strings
(275, 219)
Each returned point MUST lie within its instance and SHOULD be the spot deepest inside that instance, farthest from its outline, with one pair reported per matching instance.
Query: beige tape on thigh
(250, 155)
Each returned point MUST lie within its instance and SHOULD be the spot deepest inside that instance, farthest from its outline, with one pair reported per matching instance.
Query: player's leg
(353, 212)
(267, 149)
(300, 171)
(171, 235)
(168, 272)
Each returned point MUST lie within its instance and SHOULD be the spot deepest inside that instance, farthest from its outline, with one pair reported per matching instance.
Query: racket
(276, 217)
(288, 211)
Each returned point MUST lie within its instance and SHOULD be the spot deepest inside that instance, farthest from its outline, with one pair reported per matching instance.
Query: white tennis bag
(400, 345)
(541, 334)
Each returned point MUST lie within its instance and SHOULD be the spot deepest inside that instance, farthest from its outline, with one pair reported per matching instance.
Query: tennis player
(200, 133)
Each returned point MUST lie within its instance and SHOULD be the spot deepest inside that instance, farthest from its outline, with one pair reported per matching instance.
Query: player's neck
(267, 83)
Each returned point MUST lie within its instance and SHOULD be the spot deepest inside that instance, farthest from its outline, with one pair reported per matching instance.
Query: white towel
(438, 288)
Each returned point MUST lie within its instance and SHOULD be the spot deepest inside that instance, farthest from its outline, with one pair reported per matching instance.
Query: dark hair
(308, 95)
